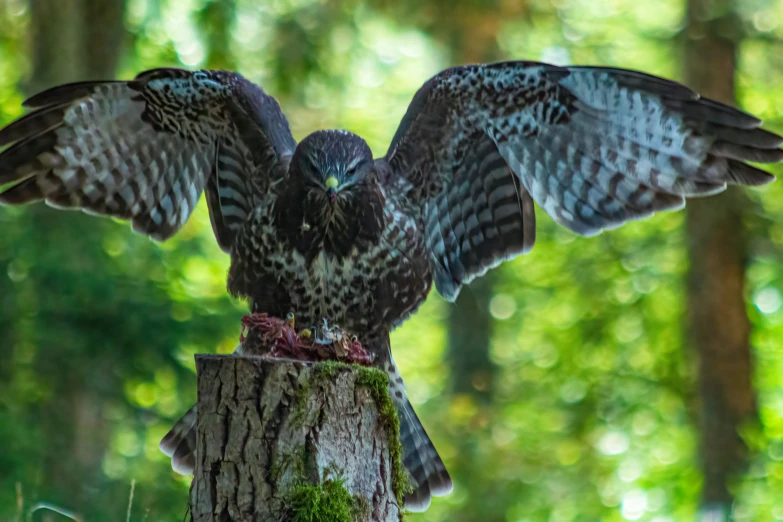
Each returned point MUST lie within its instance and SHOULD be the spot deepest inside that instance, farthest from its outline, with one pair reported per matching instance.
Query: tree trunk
(469, 323)
(56, 41)
(469, 337)
(103, 38)
(718, 321)
(216, 20)
(285, 440)
(71, 40)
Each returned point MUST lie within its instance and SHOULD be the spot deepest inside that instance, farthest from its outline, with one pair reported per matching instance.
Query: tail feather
(427, 472)
(428, 475)
(180, 444)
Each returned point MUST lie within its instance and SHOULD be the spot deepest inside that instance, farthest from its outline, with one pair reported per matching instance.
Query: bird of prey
(324, 230)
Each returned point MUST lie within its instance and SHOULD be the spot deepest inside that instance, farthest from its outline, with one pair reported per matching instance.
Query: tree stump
(284, 440)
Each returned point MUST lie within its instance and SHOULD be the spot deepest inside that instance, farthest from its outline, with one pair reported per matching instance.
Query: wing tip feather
(64, 93)
(22, 193)
(740, 173)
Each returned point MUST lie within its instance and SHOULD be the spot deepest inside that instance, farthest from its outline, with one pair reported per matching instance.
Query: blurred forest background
(594, 379)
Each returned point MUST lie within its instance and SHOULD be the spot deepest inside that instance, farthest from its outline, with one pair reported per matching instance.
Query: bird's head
(333, 198)
(333, 165)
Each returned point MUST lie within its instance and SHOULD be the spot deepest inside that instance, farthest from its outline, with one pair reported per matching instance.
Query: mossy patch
(300, 404)
(377, 382)
(327, 501)
(329, 369)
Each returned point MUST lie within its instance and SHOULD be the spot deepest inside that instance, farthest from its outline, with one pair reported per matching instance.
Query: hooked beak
(331, 187)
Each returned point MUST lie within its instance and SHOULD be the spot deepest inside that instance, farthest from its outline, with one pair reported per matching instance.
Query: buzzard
(324, 230)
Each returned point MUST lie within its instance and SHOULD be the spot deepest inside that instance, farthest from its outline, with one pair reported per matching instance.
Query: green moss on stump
(330, 369)
(377, 382)
(328, 501)
(300, 404)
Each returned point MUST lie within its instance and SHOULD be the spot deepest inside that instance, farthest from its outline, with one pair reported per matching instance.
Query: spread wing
(145, 149)
(595, 147)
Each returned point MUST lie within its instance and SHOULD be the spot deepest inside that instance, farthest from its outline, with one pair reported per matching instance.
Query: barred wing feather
(144, 150)
(595, 147)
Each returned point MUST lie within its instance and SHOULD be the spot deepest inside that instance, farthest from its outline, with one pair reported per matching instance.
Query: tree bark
(719, 327)
(275, 435)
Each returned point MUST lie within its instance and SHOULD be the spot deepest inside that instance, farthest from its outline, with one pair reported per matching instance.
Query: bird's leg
(326, 335)
(344, 346)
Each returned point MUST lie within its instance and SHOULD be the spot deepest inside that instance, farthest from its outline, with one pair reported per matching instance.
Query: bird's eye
(353, 169)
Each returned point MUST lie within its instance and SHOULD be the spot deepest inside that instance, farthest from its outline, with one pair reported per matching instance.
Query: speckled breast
(371, 290)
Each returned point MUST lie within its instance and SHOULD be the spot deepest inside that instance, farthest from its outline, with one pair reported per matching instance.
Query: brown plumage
(323, 230)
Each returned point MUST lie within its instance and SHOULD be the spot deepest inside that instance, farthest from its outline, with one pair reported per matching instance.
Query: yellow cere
(331, 182)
